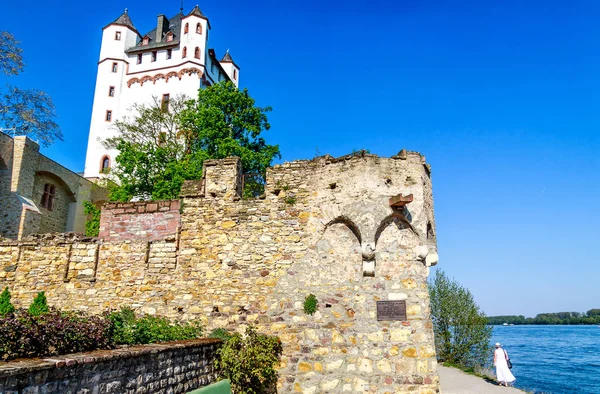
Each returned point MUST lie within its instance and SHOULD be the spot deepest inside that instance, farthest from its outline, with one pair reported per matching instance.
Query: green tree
(161, 146)
(28, 112)
(39, 306)
(462, 335)
(6, 307)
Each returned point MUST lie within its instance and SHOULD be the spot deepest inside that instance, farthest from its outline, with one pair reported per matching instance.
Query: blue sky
(501, 96)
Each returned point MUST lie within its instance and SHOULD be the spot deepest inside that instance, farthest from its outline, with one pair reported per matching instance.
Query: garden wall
(336, 228)
(176, 367)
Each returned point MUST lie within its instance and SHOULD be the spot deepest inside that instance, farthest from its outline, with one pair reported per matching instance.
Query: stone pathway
(454, 381)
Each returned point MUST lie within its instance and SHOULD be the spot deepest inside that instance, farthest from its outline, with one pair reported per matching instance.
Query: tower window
(139, 59)
(169, 37)
(184, 52)
(234, 73)
(153, 56)
(108, 117)
(114, 67)
(197, 53)
(105, 164)
(186, 28)
(199, 28)
(162, 138)
(169, 53)
(111, 91)
(118, 36)
(48, 197)
(164, 104)
(146, 41)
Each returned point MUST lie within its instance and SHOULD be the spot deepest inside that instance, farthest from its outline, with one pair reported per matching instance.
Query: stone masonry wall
(150, 221)
(176, 367)
(324, 227)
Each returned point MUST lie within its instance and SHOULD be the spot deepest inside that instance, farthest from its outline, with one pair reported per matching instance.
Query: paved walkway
(454, 381)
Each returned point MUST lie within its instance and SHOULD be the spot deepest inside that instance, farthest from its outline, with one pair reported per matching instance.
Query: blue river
(553, 359)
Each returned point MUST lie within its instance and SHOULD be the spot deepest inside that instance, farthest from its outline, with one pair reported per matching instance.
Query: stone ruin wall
(324, 227)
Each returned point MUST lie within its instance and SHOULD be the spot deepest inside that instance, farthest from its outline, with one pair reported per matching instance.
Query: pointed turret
(124, 20)
(230, 68)
(197, 11)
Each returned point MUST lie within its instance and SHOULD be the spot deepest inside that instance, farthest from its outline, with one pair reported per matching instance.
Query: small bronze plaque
(391, 310)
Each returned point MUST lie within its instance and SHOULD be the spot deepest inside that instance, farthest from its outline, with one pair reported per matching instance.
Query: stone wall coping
(23, 366)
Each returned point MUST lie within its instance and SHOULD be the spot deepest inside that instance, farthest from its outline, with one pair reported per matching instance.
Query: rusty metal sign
(391, 310)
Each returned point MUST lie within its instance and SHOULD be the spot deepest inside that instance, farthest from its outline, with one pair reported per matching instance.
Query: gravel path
(454, 381)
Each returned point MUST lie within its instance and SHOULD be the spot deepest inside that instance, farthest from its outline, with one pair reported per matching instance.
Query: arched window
(186, 28)
(184, 52)
(197, 53)
(199, 28)
(105, 164)
(234, 73)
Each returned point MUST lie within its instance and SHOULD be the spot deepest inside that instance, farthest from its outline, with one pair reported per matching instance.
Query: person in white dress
(503, 374)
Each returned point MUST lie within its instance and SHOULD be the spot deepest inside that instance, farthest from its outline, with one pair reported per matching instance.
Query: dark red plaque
(391, 310)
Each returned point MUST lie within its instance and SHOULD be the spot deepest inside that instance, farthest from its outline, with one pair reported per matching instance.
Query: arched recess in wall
(60, 182)
(395, 242)
(339, 254)
(348, 223)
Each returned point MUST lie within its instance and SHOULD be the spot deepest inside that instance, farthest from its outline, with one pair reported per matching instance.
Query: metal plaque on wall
(391, 310)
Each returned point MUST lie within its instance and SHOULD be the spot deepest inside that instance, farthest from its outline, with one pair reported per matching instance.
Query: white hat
(497, 344)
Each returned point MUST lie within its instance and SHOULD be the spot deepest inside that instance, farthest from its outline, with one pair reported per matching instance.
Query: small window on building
(154, 56)
(118, 36)
(105, 165)
(111, 91)
(146, 41)
(169, 53)
(197, 53)
(115, 67)
(164, 104)
(169, 37)
(139, 59)
(186, 28)
(108, 116)
(184, 55)
(199, 28)
(48, 197)
(234, 73)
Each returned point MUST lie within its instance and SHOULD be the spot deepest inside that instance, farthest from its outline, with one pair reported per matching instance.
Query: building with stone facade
(173, 59)
(38, 195)
(358, 232)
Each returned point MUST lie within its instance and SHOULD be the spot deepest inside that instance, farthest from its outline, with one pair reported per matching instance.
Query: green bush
(250, 362)
(39, 306)
(221, 334)
(92, 225)
(310, 304)
(5, 305)
(128, 330)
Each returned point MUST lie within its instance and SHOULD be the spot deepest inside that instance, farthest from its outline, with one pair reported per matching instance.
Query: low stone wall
(148, 220)
(175, 367)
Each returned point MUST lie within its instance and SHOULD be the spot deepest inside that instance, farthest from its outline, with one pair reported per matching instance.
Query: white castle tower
(170, 60)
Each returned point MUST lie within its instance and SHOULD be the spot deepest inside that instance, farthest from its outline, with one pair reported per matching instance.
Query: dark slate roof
(196, 11)
(124, 20)
(228, 59)
(174, 27)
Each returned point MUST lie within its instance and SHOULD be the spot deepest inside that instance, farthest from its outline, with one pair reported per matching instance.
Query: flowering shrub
(23, 334)
(250, 362)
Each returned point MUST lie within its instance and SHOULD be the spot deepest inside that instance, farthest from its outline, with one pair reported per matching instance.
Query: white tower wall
(138, 83)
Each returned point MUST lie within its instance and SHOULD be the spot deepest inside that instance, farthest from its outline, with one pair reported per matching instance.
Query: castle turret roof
(124, 20)
(227, 57)
(197, 11)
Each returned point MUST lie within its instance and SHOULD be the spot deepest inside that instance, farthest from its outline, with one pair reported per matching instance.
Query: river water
(553, 359)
